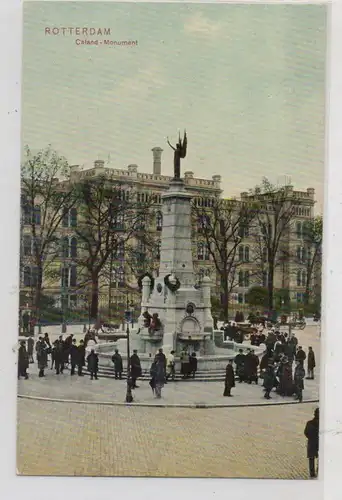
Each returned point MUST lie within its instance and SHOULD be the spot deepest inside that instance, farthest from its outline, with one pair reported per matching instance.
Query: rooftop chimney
(99, 163)
(157, 152)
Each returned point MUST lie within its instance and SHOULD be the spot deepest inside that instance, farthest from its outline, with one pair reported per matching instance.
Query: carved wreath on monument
(172, 284)
(149, 275)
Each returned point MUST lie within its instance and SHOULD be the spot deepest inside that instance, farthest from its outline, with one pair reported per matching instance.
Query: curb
(166, 405)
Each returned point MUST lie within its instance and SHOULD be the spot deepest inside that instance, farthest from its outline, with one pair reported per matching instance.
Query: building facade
(121, 288)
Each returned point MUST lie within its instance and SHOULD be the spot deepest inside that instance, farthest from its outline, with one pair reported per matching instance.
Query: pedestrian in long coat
(58, 356)
(93, 364)
(193, 364)
(42, 357)
(311, 432)
(299, 375)
(118, 365)
(81, 358)
(311, 364)
(23, 361)
(229, 381)
(286, 386)
(185, 363)
(74, 356)
(30, 346)
(300, 355)
(240, 365)
(158, 376)
(135, 368)
(269, 380)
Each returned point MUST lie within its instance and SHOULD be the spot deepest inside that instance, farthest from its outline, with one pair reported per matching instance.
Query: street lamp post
(129, 396)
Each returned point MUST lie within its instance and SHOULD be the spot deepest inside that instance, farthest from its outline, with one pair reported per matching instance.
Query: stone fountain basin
(212, 362)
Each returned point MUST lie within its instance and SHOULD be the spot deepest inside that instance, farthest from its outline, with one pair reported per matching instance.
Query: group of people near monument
(275, 367)
(62, 354)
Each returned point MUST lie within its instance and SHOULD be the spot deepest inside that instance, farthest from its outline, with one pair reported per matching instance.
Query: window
(301, 277)
(65, 247)
(159, 221)
(73, 275)
(27, 245)
(243, 231)
(121, 277)
(73, 248)
(73, 301)
(201, 273)
(73, 217)
(37, 245)
(65, 277)
(27, 209)
(118, 222)
(241, 278)
(246, 279)
(299, 230)
(65, 219)
(222, 227)
(37, 215)
(243, 253)
(121, 250)
(302, 254)
(200, 251)
(240, 298)
(206, 252)
(34, 276)
(300, 298)
(27, 276)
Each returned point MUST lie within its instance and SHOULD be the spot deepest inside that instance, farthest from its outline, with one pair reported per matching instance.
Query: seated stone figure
(155, 323)
(147, 319)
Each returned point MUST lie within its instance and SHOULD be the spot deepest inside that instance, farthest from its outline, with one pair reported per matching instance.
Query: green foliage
(257, 296)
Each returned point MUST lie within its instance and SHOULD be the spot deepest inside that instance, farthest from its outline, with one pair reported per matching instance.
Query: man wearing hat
(311, 432)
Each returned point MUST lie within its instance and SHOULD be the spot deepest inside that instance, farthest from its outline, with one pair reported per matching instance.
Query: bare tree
(222, 227)
(110, 218)
(46, 195)
(274, 220)
(308, 255)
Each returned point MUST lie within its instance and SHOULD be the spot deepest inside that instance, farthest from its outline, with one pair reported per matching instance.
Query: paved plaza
(77, 438)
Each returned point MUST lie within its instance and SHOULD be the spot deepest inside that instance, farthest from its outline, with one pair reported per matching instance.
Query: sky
(247, 82)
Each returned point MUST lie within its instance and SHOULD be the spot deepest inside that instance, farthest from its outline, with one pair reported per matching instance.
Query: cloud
(198, 24)
(145, 81)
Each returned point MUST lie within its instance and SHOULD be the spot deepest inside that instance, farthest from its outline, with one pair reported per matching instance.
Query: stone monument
(175, 313)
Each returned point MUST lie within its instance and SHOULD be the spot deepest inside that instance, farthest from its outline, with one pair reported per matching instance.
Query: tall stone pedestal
(183, 308)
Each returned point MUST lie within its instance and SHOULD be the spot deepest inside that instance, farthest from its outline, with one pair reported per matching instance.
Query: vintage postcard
(171, 226)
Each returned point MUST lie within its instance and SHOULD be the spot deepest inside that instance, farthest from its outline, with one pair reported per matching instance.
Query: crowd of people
(275, 367)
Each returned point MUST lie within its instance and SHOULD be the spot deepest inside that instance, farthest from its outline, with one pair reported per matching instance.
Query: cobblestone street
(97, 440)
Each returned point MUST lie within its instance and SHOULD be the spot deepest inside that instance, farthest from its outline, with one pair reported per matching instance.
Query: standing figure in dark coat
(185, 363)
(41, 349)
(26, 323)
(240, 365)
(286, 386)
(93, 364)
(161, 356)
(30, 346)
(300, 355)
(23, 360)
(135, 368)
(229, 381)
(47, 340)
(158, 376)
(269, 380)
(311, 364)
(253, 364)
(118, 366)
(59, 356)
(81, 358)
(193, 364)
(248, 367)
(311, 432)
(73, 356)
(299, 375)
(67, 348)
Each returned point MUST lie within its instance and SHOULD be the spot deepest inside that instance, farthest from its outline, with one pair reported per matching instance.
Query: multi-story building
(290, 272)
